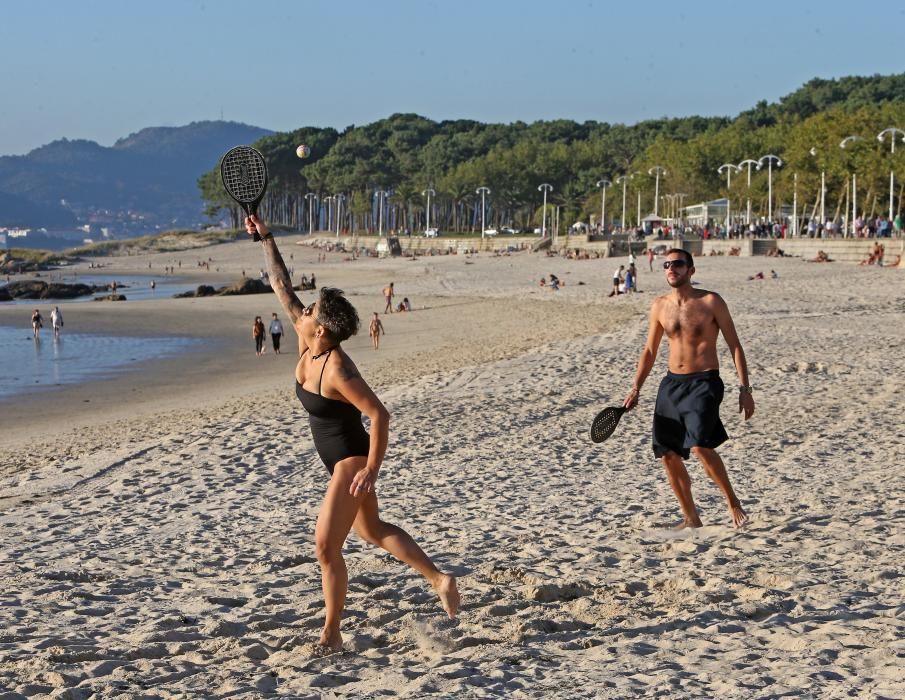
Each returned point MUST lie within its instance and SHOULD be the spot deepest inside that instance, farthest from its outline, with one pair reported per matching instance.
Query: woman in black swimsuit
(333, 392)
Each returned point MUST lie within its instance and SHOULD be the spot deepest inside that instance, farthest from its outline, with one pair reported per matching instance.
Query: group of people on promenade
(331, 389)
(56, 322)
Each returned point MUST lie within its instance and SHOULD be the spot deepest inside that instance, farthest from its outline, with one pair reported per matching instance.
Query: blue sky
(100, 70)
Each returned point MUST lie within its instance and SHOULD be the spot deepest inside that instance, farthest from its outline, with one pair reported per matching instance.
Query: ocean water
(30, 364)
(134, 288)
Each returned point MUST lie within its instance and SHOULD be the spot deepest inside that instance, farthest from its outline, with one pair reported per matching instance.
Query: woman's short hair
(336, 314)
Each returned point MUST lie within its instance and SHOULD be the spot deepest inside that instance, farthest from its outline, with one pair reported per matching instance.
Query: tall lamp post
(728, 168)
(544, 188)
(428, 193)
(844, 144)
(657, 171)
(813, 152)
(310, 197)
(893, 132)
(603, 184)
(769, 160)
(749, 163)
(622, 179)
(339, 198)
(483, 191)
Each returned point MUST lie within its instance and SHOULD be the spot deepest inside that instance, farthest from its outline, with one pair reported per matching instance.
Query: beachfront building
(712, 212)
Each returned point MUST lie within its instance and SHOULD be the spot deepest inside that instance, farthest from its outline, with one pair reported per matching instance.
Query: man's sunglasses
(675, 263)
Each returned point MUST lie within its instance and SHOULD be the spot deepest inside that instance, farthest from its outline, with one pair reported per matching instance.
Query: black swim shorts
(687, 413)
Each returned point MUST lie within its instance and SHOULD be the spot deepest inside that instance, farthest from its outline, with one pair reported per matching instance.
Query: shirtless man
(388, 296)
(375, 329)
(686, 415)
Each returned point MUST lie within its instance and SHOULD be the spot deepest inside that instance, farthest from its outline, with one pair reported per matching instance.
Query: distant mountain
(145, 181)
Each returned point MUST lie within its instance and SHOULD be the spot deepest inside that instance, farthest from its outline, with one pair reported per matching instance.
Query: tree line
(382, 170)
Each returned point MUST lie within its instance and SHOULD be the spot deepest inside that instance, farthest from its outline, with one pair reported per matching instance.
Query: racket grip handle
(256, 236)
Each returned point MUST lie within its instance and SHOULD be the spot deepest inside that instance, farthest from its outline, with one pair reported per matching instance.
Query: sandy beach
(156, 528)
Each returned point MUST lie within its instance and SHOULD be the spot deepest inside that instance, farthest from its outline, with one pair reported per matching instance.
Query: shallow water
(133, 287)
(31, 364)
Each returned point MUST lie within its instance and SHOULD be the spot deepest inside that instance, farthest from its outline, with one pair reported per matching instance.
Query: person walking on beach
(257, 332)
(37, 323)
(334, 394)
(375, 329)
(56, 320)
(276, 332)
(686, 413)
(388, 293)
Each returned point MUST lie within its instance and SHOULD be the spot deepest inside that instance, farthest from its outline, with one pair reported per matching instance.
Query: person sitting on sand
(334, 394)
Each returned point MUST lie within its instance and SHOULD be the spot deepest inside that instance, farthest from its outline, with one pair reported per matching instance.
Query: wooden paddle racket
(244, 176)
(605, 423)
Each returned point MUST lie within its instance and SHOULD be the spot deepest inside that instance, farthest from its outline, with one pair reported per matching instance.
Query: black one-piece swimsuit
(335, 425)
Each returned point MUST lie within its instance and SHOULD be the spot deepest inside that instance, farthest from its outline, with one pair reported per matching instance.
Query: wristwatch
(745, 389)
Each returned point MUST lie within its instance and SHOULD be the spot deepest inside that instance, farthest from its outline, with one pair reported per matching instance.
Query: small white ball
(303, 151)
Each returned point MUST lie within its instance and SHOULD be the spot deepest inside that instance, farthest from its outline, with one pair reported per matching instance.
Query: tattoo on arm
(348, 372)
(280, 280)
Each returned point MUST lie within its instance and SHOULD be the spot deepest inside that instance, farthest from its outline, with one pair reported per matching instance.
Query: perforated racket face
(605, 423)
(244, 174)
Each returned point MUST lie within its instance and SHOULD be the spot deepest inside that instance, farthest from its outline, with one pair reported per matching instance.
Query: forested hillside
(405, 155)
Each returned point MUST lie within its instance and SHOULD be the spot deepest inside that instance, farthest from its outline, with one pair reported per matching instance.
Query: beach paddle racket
(605, 423)
(244, 176)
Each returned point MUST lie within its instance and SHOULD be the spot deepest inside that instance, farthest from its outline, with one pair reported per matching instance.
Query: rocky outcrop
(111, 297)
(246, 286)
(36, 289)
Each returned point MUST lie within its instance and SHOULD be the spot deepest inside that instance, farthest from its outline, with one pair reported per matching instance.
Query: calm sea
(30, 364)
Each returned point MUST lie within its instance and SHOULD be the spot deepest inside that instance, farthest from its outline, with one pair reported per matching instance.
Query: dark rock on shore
(5, 295)
(36, 289)
(111, 297)
(247, 286)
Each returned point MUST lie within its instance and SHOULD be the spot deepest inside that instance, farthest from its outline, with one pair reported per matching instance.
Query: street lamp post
(622, 179)
(603, 184)
(339, 198)
(728, 167)
(813, 152)
(310, 197)
(483, 191)
(428, 193)
(893, 132)
(769, 160)
(843, 144)
(749, 163)
(381, 204)
(657, 170)
(544, 188)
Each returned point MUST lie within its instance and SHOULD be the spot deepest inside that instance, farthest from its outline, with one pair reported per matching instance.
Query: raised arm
(648, 355)
(727, 328)
(280, 280)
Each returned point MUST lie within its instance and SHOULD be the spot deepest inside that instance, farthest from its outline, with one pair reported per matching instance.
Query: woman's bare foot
(739, 516)
(446, 588)
(686, 523)
(331, 639)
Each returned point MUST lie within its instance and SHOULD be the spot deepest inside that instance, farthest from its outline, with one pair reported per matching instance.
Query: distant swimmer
(375, 330)
(330, 388)
(687, 411)
(56, 320)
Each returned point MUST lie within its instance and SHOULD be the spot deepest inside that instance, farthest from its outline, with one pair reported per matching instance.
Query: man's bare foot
(331, 639)
(739, 516)
(686, 523)
(446, 588)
